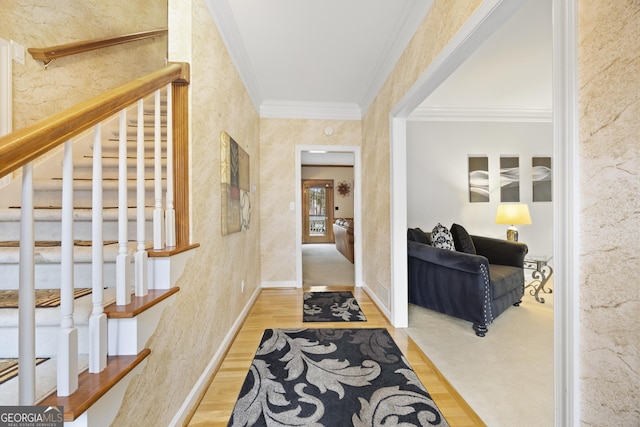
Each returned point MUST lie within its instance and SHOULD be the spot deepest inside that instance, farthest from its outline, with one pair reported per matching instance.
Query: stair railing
(21, 148)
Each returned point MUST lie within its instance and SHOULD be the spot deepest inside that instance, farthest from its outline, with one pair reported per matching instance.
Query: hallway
(323, 265)
(282, 308)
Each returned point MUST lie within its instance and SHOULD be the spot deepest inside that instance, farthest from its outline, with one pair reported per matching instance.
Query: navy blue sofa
(474, 287)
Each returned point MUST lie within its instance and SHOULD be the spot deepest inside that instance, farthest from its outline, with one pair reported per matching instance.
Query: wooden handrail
(48, 54)
(25, 145)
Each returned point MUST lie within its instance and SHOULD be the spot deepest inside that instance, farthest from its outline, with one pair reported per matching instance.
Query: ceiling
(328, 59)
(312, 58)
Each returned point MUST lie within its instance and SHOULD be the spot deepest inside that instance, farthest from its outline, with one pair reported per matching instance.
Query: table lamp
(513, 214)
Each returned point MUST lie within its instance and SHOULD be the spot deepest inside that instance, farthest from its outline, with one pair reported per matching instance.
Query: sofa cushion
(505, 278)
(462, 240)
(417, 235)
(441, 238)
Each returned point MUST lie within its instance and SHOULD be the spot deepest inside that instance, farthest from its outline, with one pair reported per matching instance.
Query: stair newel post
(97, 320)
(170, 214)
(141, 256)
(26, 295)
(123, 260)
(68, 335)
(158, 213)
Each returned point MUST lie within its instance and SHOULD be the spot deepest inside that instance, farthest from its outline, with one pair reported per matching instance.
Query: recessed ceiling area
(316, 59)
(509, 74)
(328, 59)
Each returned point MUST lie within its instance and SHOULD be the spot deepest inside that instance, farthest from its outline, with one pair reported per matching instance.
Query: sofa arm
(450, 282)
(445, 258)
(499, 251)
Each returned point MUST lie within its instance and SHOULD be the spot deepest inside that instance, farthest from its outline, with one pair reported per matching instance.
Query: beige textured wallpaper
(39, 92)
(609, 81)
(278, 140)
(442, 21)
(210, 298)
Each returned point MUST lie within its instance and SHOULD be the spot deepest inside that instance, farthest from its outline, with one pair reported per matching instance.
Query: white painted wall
(437, 172)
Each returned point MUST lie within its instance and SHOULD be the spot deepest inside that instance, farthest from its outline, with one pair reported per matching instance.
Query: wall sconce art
(344, 188)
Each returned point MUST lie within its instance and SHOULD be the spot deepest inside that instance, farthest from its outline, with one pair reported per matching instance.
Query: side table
(542, 271)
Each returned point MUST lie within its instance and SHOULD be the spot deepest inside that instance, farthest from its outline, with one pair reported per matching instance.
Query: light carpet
(46, 381)
(323, 265)
(507, 377)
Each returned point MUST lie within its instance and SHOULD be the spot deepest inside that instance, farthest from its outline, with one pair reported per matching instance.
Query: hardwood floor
(282, 308)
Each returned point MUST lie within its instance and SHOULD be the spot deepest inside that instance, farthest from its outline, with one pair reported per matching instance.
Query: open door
(317, 211)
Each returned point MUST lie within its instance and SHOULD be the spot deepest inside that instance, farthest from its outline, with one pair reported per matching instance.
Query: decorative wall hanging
(541, 179)
(234, 178)
(344, 188)
(509, 179)
(478, 179)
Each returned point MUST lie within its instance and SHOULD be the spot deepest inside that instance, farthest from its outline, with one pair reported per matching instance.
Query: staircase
(129, 326)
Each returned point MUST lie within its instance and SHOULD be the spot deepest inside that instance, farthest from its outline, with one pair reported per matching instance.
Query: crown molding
(225, 22)
(310, 110)
(404, 28)
(469, 114)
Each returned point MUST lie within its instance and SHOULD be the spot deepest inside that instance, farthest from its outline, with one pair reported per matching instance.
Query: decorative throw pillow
(462, 240)
(417, 235)
(441, 238)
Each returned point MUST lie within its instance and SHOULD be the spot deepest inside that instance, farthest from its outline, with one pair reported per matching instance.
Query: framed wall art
(478, 179)
(235, 182)
(509, 179)
(541, 179)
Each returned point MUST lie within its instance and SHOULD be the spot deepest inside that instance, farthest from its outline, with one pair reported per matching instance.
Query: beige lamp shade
(513, 214)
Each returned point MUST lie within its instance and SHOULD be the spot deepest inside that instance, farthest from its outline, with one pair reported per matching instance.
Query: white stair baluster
(26, 295)
(141, 256)
(97, 320)
(170, 214)
(123, 260)
(158, 213)
(68, 335)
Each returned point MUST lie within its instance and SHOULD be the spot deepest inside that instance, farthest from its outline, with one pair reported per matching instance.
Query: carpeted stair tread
(53, 254)
(52, 243)
(43, 297)
(53, 213)
(50, 316)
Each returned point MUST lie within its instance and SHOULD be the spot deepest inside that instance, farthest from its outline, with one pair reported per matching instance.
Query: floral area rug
(331, 307)
(332, 377)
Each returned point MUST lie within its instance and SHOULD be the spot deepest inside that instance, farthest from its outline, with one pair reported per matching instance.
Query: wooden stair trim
(138, 304)
(47, 54)
(171, 250)
(92, 387)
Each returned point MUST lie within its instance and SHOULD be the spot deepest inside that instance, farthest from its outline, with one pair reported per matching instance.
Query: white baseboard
(283, 284)
(376, 300)
(216, 360)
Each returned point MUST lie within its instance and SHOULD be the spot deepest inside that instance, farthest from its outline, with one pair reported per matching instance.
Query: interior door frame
(357, 205)
(328, 208)
(487, 17)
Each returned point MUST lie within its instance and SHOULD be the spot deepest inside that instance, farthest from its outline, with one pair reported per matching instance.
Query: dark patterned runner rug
(331, 307)
(332, 377)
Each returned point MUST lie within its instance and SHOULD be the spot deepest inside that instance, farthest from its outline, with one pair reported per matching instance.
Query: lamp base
(512, 233)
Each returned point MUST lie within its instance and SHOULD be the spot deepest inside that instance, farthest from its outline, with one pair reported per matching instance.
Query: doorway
(353, 152)
(565, 209)
(317, 211)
